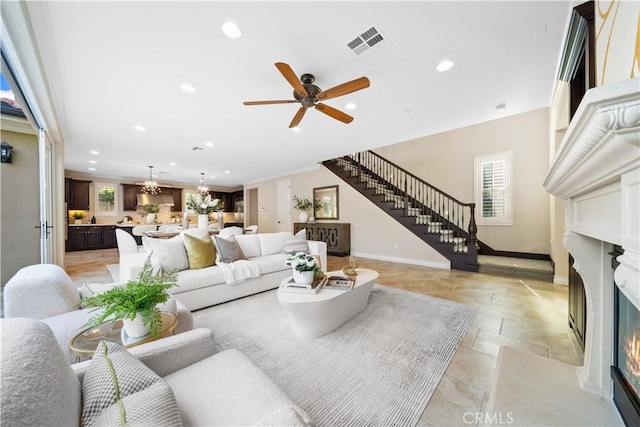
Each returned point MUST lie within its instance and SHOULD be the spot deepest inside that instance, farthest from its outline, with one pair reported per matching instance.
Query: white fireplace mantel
(597, 172)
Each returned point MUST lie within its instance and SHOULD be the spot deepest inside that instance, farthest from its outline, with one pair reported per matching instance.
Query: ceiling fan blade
(298, 117)
(344, 88)
(291, 77)
(332, 112)
(287, 101)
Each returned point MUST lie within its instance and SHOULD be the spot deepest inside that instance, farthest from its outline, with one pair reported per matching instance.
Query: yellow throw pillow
(200, 251)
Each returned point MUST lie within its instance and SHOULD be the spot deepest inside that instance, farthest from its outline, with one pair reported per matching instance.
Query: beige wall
(617, 40)
(373, 232)
(446, 160)
(20, 206)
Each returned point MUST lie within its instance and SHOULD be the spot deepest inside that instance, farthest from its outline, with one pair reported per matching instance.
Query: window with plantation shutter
(493, 189)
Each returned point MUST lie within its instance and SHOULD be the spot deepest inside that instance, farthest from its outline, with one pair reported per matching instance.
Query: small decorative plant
(77, 215)
(301, 261)
(301, 204)
(204, 205)
(139, 297)
(152, 208)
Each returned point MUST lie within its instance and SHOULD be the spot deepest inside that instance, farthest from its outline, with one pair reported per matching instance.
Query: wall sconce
(5, 156)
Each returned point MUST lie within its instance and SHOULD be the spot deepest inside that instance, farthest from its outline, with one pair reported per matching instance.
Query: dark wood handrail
(417, 178)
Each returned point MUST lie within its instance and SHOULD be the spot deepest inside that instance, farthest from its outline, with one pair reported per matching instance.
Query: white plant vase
(303, 277)
(304, 216)
(151, 218)
(135, 328)
(203, 221)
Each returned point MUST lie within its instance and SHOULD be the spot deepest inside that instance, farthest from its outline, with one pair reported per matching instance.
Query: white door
(283, 205)
(46, 197)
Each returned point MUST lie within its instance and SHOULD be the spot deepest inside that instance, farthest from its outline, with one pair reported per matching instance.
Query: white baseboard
(420, 262)
(561, 280)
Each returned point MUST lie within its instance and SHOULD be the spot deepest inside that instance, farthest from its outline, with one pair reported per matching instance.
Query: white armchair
(45, 292)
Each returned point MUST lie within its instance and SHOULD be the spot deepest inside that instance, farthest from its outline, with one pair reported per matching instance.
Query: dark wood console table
(337, 235)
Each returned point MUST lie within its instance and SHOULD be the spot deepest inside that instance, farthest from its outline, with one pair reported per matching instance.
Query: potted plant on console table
(302, 205)
(136, 303)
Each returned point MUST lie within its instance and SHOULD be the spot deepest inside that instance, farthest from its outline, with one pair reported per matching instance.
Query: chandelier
(202, 190)
(151, 187)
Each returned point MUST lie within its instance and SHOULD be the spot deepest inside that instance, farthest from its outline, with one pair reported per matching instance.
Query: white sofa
(199, 288)
(45, 292)
(38, 387)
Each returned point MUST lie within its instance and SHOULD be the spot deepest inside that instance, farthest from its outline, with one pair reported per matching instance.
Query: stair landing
(516, 267)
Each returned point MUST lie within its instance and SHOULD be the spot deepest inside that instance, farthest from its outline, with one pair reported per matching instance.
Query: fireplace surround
(596, 171)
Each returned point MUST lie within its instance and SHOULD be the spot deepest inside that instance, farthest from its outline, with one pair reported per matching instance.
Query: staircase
(444, 223)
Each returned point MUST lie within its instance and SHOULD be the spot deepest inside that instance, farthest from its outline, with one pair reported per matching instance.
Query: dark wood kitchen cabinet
(85, 237)
(77, 194)
(109, 236)
(130, 197)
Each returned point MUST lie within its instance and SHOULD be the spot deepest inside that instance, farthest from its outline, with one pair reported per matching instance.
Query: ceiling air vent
(368, 42)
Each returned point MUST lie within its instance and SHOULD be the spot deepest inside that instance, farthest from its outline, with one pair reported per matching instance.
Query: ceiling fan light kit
(308, 95)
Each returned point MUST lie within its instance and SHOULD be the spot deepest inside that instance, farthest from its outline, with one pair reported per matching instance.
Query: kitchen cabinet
(77, 194)
(337, 235)
(130, 197)
(84, 237)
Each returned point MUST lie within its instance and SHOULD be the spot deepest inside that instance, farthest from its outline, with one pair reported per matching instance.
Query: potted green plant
(302, 205)
(77, 216)
(151, 211)
(305, 267)
(136, 303)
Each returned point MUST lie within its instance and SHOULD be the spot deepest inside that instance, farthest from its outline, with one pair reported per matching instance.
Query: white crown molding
(601, 143)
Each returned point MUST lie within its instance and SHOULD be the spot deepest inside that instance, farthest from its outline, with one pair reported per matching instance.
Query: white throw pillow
(270, 243)
(295, 243)
(169, 253)
(250, 244)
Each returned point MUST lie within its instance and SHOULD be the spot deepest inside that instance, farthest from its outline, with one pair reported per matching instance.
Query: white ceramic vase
(135, 328)
(304, 216)
(203, 221)
(151, 218)
(303, 277)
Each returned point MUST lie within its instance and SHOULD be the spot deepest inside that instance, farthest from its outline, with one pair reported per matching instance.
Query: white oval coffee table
(315, 315)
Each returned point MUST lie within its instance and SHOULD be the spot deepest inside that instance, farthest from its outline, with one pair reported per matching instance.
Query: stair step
(413, 211)
(423, 219)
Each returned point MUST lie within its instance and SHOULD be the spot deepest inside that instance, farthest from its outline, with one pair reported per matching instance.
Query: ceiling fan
(309, 95)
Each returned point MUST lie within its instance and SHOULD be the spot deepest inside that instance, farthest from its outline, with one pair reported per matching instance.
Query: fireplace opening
(626, 370)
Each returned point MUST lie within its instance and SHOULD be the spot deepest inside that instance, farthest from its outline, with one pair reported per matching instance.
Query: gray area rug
(380, 368)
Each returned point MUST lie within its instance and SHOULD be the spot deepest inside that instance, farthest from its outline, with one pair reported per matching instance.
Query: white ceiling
(115, 65)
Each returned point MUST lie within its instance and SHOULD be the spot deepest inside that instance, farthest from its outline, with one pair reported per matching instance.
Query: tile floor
(525, 314)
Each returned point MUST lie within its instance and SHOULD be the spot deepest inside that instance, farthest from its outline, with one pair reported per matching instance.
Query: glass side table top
(85, 342)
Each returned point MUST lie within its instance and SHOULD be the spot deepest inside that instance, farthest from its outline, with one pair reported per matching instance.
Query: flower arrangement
(301, 261)
(77, 215)
(204, 205)
(301, 204)
(152, 208)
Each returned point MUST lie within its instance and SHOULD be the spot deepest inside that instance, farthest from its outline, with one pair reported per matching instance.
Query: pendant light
(151, 187)
(202, 190)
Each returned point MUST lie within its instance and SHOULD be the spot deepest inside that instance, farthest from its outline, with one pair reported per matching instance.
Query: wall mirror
(325, 202)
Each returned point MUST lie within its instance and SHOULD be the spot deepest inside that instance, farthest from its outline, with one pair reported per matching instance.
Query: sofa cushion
(295, 243)
(270, 243)
(228, 249)
(37, 385)
(227, 389)
(169, 253)
(271, 263)
(201, 252)
(250, 244)
(189, 280)
(111, 384)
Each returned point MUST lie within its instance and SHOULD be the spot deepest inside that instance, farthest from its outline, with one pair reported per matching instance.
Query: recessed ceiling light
(213, 177)
(93, 161)
(209, 144)
(187, 87)
(94, 152)
(296, 129)
(140, 128)
(92, 169)
(501, 107)
(231, 30)
(227, 171)
(172, 164)
(444, 66)
(350, 106)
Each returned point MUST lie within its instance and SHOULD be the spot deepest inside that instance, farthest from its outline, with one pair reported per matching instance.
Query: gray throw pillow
(140, 391)
(228, 249)
(295, 243)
